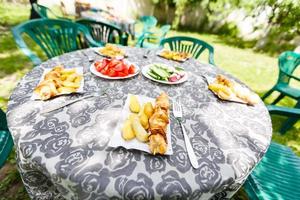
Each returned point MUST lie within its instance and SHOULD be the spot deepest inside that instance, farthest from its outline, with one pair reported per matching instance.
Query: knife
(61, 105)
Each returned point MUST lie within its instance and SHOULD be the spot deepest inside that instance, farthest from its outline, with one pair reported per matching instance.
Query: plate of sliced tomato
(114, 69)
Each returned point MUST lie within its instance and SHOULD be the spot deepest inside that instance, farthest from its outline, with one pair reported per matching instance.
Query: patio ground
(258, 70)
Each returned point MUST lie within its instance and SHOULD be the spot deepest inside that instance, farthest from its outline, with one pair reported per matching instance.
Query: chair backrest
(41, 10)
(55, 37)
(6, 142)
(104, 32)
(3, 122)
(163, 31)
(277, 176)
(148, 22)
(189, 45)
(288, 61)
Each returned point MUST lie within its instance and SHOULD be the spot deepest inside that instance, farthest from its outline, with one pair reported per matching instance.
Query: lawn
(258, 70)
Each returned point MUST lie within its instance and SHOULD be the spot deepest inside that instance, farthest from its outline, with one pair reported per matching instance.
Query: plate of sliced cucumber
(165, 74)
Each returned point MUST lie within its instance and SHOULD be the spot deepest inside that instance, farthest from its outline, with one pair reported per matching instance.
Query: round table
(64, 153)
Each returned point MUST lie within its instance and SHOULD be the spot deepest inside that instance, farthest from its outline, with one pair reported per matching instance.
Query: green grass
(257, 70)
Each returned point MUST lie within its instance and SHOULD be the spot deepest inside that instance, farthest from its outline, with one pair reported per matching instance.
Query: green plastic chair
(104, 32)
(55, 37)
(6, 141)
(189, 45)
(292, 113)
(288, 61)
(44, 12)
(276, 177)
(148, 22)
(143, 41)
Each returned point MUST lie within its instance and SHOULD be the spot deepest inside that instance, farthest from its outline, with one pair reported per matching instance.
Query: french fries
(58, 81)
(172, 55)
(112, 51)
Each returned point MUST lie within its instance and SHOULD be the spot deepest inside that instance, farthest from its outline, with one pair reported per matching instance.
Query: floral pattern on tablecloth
(64, 154)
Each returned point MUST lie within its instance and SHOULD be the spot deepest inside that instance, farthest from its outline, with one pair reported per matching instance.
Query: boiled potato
(144, 120)
(127, 132)
(132, 117)
(148, 109)
(139, 131)
(134, 104)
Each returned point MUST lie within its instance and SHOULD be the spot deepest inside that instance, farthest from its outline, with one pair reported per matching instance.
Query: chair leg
(290, 121)
(278, 99)
(288, 124)
(267, 94)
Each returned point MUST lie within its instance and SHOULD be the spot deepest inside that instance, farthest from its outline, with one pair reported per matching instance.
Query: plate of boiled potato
(133, 131)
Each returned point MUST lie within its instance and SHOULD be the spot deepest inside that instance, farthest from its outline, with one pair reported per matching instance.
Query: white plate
(97, 50)
(117, 140)
(79, 70)
(95, 72)
(145, 71)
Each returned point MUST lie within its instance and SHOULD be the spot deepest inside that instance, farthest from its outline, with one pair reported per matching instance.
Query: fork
(177, 112)
(146, 54)
(89, 58)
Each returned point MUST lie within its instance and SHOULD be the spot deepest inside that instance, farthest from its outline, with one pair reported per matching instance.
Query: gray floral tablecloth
(64, 154)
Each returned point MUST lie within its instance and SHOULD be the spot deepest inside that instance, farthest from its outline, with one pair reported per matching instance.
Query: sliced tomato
(131, 69)
(101, 66)
(105, 61)
(113, 63)
(97, 63)
(97, 68)
(103, 72)
(119, 67)
(121, 74)
(112, 73)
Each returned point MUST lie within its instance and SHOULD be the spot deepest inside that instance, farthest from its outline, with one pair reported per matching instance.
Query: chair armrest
(279, 110)
(291, 76)
(22, 45)
(145, 35)
(151, 37)
(87, 35)
(36, 60)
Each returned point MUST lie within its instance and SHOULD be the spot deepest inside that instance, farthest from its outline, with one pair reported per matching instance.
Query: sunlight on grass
(11, 14)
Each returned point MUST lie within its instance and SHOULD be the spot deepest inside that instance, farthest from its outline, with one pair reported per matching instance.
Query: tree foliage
(283, 17)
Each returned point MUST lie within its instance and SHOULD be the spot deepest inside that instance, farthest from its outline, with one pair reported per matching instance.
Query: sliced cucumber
(153, 75)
